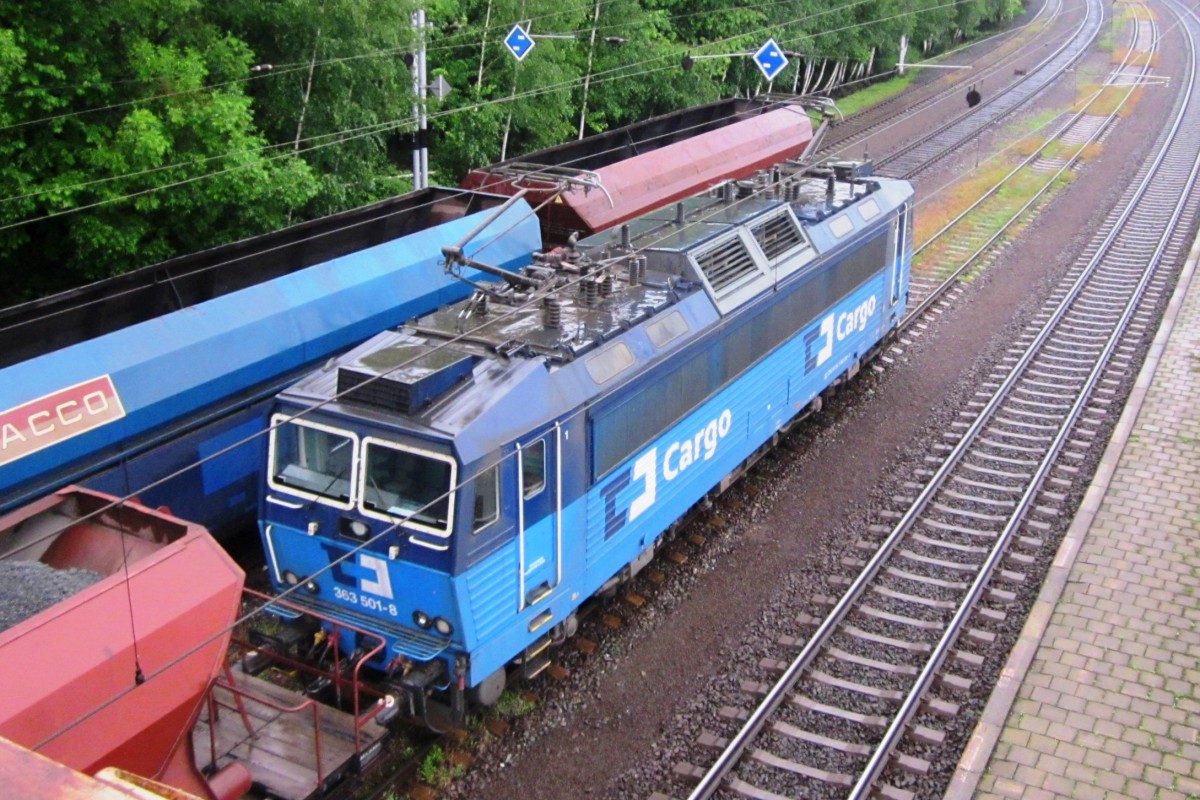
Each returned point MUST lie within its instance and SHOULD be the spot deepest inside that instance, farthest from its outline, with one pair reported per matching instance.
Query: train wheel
(490, 689)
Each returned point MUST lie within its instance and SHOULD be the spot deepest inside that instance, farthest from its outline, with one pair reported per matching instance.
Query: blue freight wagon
(116, 385)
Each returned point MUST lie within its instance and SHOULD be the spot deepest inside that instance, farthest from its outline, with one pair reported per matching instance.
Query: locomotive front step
(536, 659)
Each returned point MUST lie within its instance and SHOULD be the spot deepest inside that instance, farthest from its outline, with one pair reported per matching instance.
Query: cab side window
(533, 468)
(487, 498)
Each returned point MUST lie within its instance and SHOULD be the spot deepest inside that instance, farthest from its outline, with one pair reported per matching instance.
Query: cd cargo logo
(57, 417)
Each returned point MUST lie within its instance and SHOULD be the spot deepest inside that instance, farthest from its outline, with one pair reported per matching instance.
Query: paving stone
(1126, 718)
(1042, 743)
(1023, 756)
(1013, 737)
(1129, 768)
(1071, 753)
(1077, 771)
(1033, 724)
(1148, 756)
(1087, 791)
(1155, 725)
(1176, 764)
(1052, 764)
(1115, 684)
(1055, 714)
(1029, 776)
(1007, 788)
(1108, 780)
(1140, 790)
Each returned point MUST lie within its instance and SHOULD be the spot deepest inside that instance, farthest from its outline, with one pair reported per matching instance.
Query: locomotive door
(540, 515)
(901, 233)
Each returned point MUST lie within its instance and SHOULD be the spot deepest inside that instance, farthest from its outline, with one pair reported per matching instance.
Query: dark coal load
(28, 587)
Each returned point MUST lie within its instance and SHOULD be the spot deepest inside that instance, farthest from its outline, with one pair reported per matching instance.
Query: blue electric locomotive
(462, 484)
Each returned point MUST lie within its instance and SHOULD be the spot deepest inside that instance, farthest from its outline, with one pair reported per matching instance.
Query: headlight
(290, 578)
(443, 627)
(422, 620)
(312, 586)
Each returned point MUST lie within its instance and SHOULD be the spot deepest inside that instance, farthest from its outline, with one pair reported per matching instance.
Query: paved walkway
(1101, 697)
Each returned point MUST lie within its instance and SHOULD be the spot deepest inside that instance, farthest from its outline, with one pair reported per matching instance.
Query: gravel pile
(28, 587)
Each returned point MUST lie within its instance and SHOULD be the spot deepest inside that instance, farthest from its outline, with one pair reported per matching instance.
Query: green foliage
(430, 767)
(338, 90)
(874, 93)
(436, 769)
(512, 704)
(105, 104)
(135, 130)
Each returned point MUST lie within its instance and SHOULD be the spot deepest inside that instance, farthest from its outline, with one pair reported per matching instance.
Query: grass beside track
(1016, 142)
(875, 93)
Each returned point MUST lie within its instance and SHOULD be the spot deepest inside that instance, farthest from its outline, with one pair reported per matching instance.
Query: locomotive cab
(358, 523)
(380, 527)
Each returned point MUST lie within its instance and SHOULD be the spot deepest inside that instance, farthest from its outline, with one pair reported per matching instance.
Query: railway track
(861, 708)
(923, 153)
(995, 66)
(972, 235)
(946, 285)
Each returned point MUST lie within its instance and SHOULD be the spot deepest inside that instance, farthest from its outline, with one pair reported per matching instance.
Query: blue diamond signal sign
(518, 42)
(770, 59)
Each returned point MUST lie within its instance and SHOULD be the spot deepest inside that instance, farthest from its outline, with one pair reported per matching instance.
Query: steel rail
(936, 293)
(977, 119)
(917, 104)
(736, 747)
(924, 681)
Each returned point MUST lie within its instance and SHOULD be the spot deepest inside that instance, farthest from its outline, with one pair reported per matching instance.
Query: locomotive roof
(588, 319)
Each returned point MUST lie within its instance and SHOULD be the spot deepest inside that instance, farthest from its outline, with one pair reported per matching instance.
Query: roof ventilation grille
(726, 264)
(776, 236)
(403, 378)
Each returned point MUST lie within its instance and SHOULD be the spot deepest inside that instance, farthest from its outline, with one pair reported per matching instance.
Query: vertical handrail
(241, 706)
(212, 727)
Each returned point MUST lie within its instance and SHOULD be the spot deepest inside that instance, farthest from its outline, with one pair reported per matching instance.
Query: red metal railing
(240, 695)
(336, 675)
(354, 683)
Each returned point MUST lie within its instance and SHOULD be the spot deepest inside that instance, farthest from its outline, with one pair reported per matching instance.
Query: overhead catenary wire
(298, 66)
(343, 137)
(357, 549)
(202, 462)
(767, 104)
(570, 284)
(351, 134)
(360, 547)
(334, 563)
(467, 33)
(219, 264)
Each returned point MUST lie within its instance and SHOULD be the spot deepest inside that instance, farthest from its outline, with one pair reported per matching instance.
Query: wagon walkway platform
(1101, 697)
(287, 755)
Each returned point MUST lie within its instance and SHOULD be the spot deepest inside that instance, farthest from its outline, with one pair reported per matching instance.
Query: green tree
(334, 87)
(106, 104)
(134, 130)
